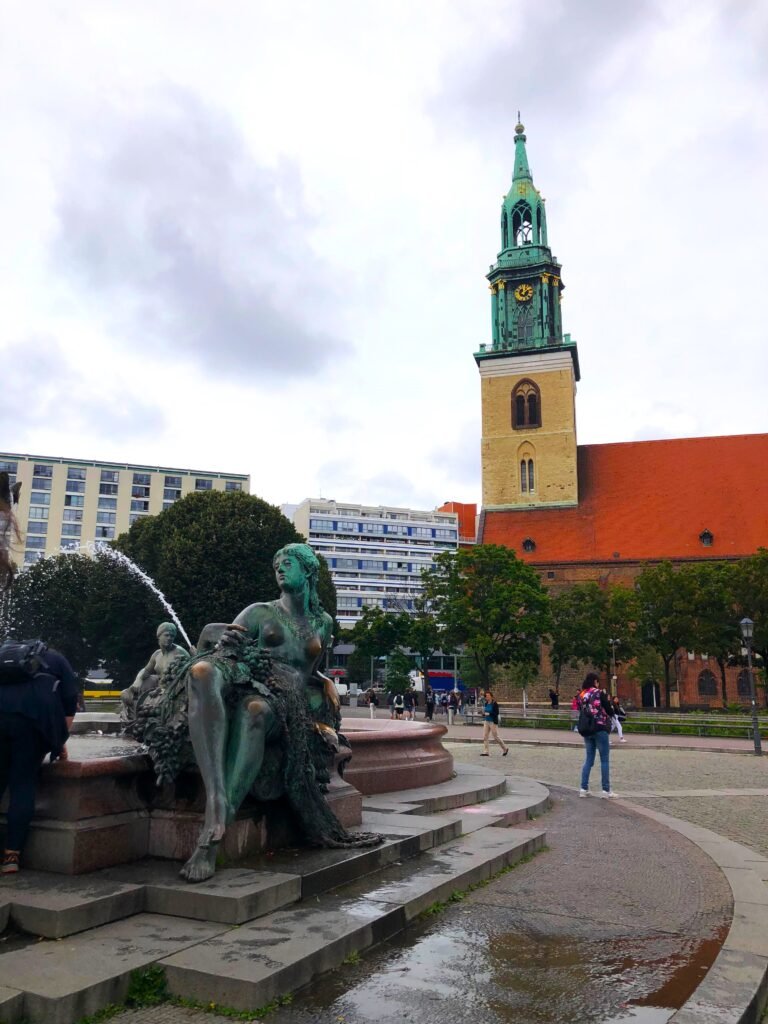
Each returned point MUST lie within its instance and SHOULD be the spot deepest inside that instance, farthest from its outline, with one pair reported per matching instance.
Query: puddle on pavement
(445, 971)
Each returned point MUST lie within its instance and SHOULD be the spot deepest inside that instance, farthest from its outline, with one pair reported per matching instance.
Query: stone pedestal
(99, 811)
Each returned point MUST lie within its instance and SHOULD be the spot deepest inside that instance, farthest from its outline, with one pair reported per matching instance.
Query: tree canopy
(94, 611)
(211, 554)
(489, 600)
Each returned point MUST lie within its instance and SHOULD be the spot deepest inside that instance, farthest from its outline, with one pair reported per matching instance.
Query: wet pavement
(618, 920)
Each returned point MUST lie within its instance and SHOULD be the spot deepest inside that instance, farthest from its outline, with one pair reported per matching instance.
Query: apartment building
(376, 554)
(67, 502)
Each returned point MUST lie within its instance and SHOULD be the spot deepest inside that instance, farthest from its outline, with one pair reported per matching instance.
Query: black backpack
(20, 662)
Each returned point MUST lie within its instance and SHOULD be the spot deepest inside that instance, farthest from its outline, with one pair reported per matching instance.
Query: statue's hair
(308, 561)
(167, 627)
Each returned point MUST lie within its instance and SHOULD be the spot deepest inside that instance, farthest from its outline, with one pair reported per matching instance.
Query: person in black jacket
(491, 725)
(35, 716)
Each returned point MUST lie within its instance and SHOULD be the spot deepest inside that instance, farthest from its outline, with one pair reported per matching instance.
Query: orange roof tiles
(651, 500)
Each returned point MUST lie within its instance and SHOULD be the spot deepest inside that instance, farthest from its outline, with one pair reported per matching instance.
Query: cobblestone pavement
(722, 782)
(725, 792)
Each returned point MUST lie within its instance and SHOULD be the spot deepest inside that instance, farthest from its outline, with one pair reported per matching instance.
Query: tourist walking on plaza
(575, 712)
(38, 700)
(429, 705)
(595, 714)
(617, 722)
(491, 725)
(398, 706)
(372, 701)
(410, 704)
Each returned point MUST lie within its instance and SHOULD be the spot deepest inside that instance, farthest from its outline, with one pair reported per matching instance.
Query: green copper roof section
(522, 170)
(525, 282)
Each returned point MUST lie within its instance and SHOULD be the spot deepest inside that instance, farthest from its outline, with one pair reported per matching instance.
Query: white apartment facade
(68, 502)
(376, 554)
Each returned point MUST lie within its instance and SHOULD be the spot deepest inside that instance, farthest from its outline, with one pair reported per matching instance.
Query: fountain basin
(389, 755)
(102, 807)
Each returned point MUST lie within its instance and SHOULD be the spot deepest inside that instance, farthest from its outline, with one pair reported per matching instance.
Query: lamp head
(747, 627)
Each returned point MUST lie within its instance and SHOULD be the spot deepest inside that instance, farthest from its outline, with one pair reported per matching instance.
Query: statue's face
(289, 573)
(165, 639)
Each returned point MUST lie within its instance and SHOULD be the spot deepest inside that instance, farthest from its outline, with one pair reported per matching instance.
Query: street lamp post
(614, 678)
(747, 627)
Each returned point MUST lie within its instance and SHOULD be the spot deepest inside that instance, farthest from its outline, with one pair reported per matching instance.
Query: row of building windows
(42, 480)
(349, 526)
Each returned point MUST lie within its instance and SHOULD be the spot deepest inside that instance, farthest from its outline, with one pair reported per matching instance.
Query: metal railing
(655, 722)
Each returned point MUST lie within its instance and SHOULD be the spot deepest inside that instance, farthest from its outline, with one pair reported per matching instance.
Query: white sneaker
(622, 741)
(608, 794)
(583, 792)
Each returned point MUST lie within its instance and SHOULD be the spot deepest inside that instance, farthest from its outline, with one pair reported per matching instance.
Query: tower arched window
(539, 240)
(531, 478)
(522, 224)
(526, 405)
(707, 684)
(504, 230)
(524, 476)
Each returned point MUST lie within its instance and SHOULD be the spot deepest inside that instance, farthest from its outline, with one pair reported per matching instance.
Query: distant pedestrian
(444, 703)
(391, 703)
(429, 705)
(595, 713)
(398, 706)
(575, 712)
(408, 704)
(619, 717)
(491, 725)
(554, 699)
(373, 702)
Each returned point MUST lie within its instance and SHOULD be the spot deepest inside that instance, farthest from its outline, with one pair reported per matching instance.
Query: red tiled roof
(651, 500)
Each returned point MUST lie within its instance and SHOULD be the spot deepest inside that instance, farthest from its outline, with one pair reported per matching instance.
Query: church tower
(528, 373)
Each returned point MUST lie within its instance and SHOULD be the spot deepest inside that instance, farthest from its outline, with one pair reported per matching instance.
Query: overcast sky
(252, 236)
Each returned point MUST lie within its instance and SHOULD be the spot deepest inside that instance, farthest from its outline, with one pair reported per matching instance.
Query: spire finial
(519, 127)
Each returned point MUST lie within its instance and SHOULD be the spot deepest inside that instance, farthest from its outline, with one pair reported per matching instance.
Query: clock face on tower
(524, 293)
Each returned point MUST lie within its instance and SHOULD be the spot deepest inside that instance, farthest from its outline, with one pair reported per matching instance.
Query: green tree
(584, 619)
(92, 610)
(647, 666)
(377, 633)
(665, 614)
(358, 668)
(211, 554)
(489, 600)
(750, 585)
(424, 635)
(398, 669)
(715, 620)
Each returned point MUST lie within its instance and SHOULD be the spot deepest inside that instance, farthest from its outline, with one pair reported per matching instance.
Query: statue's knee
(201, 674)
(257, 710)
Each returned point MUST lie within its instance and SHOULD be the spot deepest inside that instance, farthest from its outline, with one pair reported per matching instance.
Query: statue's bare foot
(201, 865)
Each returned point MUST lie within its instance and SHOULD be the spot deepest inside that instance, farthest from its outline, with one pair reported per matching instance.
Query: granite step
(66, 980)
(279, 953)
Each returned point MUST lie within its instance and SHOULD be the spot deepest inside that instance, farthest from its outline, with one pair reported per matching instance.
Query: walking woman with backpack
(595, 713)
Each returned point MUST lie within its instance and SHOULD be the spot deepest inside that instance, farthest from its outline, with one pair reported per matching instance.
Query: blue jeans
(592, 744)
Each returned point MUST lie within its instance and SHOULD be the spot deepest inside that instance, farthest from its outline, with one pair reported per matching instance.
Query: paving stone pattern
(611, 914)
(742, 818)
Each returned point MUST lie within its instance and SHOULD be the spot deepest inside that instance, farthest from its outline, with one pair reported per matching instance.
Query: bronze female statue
(260, 714)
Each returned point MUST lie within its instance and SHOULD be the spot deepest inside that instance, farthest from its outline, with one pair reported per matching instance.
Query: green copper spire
(526, 284)
(522, 171)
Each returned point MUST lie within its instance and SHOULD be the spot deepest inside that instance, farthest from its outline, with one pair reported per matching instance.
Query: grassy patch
(228, 1011)
(353, 958)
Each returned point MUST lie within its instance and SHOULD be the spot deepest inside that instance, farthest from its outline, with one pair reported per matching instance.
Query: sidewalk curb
(735, 988)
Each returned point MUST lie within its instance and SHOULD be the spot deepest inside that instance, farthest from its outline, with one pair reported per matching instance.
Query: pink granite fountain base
(102, 807)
